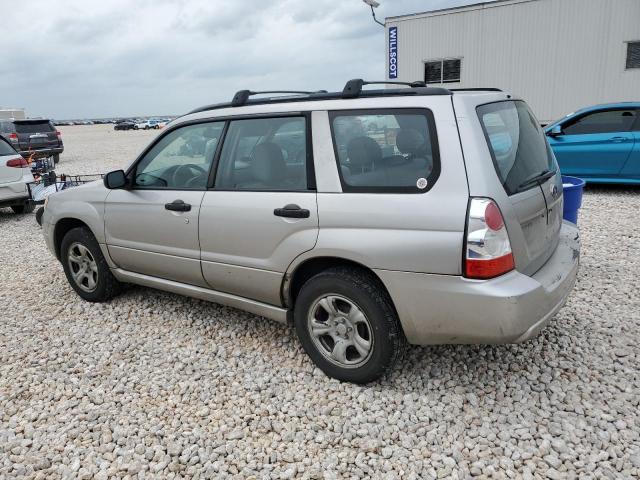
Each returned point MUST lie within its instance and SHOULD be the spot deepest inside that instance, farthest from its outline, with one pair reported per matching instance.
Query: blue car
(599, 144)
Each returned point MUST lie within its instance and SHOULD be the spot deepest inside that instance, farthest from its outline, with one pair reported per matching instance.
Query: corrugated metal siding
(559, 55)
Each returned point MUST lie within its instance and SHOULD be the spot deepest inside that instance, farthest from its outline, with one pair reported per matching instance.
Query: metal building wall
(559, 55)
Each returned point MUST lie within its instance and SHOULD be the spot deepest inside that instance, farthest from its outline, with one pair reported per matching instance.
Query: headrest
(268, 162)
(411, 141)
(363, 151)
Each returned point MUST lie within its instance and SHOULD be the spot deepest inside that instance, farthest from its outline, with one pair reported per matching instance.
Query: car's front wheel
(86, 268)
(347, 324)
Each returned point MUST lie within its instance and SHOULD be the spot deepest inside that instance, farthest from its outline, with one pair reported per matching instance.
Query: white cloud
(73, 58)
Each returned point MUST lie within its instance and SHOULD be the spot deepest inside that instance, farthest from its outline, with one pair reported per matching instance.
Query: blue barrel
(572, 190)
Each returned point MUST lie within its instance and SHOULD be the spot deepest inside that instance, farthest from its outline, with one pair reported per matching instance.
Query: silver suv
(368, 218)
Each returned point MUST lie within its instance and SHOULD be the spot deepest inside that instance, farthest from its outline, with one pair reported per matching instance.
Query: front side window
(442, 71)
(386, 150)
(264, 154)
(518, 145)
(181, 159)
(607, 121)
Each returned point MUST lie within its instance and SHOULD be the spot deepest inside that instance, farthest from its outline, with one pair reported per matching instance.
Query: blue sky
(95, 58)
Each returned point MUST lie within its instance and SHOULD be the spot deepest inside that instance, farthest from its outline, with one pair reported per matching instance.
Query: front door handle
(291, 211)
(618, 139)
(178, 206)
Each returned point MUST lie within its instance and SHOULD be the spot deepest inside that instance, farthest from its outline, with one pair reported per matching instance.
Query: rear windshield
(34, 127)
(518, 145)
(6, 149)
(386, 150)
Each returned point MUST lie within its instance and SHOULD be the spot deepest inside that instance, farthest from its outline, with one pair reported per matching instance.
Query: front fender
(84, 203)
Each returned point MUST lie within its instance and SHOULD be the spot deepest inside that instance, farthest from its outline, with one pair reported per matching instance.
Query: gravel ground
(155, 385)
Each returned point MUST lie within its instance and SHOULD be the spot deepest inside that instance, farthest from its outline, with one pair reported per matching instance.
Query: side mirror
(555, 131)
(115, 179)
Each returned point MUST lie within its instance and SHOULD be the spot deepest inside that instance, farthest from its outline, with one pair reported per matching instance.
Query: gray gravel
(155, 385)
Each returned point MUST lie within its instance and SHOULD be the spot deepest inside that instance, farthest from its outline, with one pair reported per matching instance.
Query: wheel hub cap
(340, 331)
(83, 267)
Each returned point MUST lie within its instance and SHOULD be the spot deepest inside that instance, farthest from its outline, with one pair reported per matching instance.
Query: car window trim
(309, 167)
(577, 118)
(433, 176)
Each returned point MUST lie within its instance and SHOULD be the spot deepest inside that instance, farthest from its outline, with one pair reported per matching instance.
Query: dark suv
(36, 138)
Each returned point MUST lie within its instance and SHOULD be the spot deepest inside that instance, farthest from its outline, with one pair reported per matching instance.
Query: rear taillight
(17, 163)
(13, 137)
(488, 250)
(58, 133)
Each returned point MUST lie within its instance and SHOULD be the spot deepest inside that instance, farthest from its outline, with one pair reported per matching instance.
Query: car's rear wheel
(56, 158)
(86, 268)
(26, 207)
(347, 324)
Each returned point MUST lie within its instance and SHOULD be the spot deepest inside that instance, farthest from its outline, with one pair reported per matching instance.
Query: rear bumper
(44, 152)
(438, 309)
(15, 192)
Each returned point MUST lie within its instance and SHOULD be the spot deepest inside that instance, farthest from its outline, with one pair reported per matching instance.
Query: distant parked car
(15, 173)
(147, 125)
(600, 144)
(124, 125)
(35, 138)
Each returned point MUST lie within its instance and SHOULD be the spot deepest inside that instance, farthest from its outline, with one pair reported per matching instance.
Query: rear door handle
(291, 211)
(178, 206)
(618, 139)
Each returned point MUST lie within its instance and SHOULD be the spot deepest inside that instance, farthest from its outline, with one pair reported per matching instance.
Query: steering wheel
(184, 169)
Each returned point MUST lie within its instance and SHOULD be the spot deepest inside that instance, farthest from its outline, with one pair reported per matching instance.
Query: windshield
(517, 143)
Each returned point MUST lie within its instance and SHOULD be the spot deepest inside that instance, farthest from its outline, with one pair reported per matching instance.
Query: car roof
(604, 106)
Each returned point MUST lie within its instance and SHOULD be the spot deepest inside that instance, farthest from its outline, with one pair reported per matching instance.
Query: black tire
(26, 207)
(106, 284)
(39, 214)
(56, 158)
(366, 292)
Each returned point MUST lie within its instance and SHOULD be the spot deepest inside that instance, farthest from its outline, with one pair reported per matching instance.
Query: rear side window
(386, 151)
(34, 127)
(517, 143)
(5, 148)
(268, 154)
(607, 121)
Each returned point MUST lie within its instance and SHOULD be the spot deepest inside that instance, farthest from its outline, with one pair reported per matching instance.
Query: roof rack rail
(241, 97)
(353, 88)
(480, 89)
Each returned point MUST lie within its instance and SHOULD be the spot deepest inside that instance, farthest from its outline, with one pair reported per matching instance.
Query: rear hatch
(531, 178)
(36, 135)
